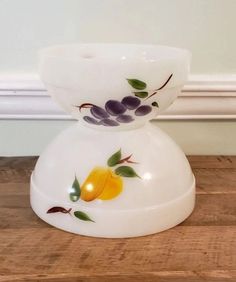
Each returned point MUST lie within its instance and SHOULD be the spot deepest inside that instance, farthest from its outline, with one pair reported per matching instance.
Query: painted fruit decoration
(131, 107)
(102, 183)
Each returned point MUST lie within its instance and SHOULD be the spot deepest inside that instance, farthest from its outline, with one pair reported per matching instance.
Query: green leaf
(82, 216)
(114, 159)
(75, 191)
(155, 104)
(126, 171)
(141, 94)
(137, 84)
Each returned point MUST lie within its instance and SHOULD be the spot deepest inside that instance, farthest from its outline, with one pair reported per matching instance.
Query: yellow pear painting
(103, 183)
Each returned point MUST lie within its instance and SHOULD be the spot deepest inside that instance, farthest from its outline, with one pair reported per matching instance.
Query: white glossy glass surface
(113, 174)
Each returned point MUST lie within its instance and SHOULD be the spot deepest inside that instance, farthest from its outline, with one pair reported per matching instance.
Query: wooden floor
(203, 248)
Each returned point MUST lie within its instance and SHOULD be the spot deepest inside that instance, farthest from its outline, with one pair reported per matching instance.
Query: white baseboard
(203, 97)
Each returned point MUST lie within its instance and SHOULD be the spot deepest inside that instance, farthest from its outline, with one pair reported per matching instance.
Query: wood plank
(15, 175)
(51, 251)
(215, 181)
(212, 161)
(17, 162)
(12, 188)
(213, 210)
(158, 276)
(16, 169)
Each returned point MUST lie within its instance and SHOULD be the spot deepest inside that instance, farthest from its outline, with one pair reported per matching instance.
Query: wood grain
(203, 248)
(180, 249)
(212, 161)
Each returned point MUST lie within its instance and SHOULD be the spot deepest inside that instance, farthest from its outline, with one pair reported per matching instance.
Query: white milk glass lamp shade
(113, 174)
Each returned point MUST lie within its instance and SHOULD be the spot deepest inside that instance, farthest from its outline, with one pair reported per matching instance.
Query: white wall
(206, 27)
(25, 138)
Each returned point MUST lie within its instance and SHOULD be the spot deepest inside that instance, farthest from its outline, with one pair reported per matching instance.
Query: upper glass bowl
(114, 85)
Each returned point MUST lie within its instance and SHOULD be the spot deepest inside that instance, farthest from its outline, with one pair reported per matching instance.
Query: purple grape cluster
(115, 112)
